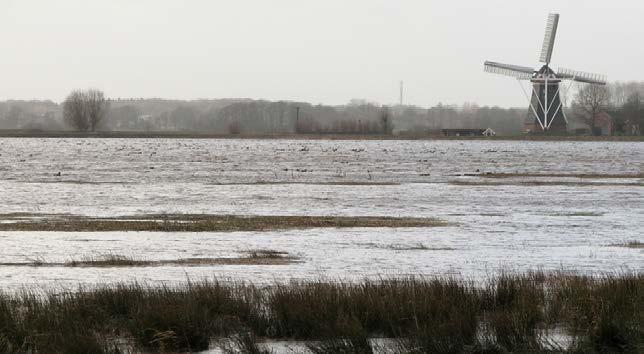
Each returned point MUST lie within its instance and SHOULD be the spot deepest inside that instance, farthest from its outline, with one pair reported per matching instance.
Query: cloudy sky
(321, 51)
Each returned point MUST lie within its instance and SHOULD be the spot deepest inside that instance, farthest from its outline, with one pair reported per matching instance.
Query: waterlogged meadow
(121, 245)
(463, 208)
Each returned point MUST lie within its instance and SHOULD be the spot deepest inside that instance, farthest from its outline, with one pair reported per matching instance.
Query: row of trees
(627, 108)
(35, 115)
(298, 117)
(90, 110)
(622, 102)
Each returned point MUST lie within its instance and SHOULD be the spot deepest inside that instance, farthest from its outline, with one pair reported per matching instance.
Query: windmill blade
(549, 38)
(581, 76)
(515, 71)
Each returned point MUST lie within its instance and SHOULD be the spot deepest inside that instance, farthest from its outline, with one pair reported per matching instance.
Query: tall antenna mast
(402, 92)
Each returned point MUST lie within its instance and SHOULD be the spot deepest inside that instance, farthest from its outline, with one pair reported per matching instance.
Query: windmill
(546, 110)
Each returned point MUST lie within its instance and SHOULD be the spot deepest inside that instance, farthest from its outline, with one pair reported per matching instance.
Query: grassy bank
(201, 223)
(510, 313)
(211, 135)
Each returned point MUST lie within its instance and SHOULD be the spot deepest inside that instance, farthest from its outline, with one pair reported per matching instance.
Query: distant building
(603, 124)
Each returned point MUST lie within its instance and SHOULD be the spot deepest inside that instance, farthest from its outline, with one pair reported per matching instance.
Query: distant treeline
(240, 116)
(627, 107)
(245, 116)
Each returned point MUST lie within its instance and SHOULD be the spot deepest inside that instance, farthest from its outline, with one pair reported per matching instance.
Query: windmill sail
(515, 71)
(581, 76)
(546, 111)
(549, 38)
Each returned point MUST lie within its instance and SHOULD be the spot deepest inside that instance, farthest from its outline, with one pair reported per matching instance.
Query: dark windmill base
(532, 126)
(555, 113)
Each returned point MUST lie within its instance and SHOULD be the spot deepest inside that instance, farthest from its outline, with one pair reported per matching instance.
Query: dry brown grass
(419, 246)
(333, 183)
(204, 223)
(256, 257)
(630, 244)
(564, 175)
(543, 183)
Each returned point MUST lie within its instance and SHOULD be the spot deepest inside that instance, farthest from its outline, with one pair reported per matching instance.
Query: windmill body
(546, 108)
(545, 82)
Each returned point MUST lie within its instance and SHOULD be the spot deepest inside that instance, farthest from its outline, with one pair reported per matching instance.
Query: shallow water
(506, 225)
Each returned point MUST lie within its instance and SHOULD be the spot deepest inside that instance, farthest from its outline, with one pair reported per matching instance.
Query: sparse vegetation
(419, 247)
(205, 223)
(510, 313)
(563, 175)
(108, 260)
(630, 244)
(412, 247)
(255, 257)
(534, 183)
(267, 254)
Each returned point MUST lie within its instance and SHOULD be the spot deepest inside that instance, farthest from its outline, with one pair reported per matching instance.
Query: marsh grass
(267, 253)
(208, 223)
(418, 247)
(630, 244)
(341, 345)
(578, 213)
(408, 247)
(106, 260)
(245, 342)
(563, 175)
(534, 183)
(509, 313)
(255, 257)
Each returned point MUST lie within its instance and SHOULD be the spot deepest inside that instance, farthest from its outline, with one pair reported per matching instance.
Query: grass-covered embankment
(508, 314)
(29, 133)
(201, 223)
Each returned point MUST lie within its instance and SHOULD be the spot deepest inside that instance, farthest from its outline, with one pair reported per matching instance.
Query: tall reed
(509, 313)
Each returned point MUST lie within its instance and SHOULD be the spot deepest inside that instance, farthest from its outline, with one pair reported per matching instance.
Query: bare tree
(589, 102)
(84, 109)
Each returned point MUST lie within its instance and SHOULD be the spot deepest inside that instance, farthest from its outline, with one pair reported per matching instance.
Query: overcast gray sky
(323, 51)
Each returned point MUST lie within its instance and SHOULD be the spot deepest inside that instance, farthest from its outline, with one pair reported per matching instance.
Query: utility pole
(402, 91)
(297, 119)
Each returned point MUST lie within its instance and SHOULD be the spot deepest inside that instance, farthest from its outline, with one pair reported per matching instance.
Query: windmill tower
(546, 110)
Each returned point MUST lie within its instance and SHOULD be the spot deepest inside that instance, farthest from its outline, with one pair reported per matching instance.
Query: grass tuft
(106, 260)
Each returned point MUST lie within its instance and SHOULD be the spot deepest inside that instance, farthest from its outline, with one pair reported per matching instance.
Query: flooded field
(507, 205)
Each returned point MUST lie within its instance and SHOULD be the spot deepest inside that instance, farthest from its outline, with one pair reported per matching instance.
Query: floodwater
(517, 224)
